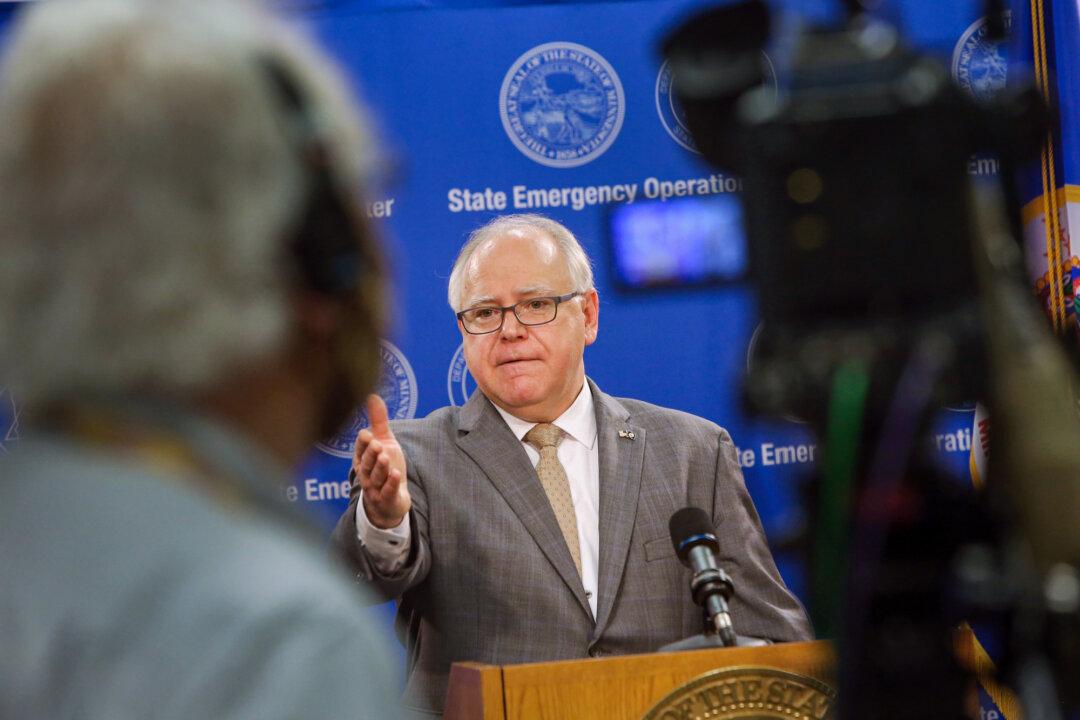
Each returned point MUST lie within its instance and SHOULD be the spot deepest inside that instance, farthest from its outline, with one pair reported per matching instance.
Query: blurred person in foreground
(188, 299)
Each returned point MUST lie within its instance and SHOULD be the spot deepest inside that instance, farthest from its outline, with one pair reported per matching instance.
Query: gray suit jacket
(490, 579)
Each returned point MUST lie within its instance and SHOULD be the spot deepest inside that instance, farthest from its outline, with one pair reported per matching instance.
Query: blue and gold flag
(1045, 36)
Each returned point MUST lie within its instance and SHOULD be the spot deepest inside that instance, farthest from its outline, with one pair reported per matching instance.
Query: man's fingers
(389, 490)
(366, 463)
(380, 465)
(374, 469)
(384, 500)
(362, 439)
(378, 416)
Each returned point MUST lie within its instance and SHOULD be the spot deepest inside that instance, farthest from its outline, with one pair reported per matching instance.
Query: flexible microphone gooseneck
(697, 548)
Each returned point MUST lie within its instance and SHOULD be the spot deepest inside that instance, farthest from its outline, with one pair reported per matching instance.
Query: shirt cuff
(388, 549)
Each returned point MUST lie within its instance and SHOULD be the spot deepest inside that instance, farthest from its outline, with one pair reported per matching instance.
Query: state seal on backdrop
(979, 64)
(9, 420)
(459, 383)
(762, 342)
(562, 104)
(673, 117)
(397, 387)
(747, 693)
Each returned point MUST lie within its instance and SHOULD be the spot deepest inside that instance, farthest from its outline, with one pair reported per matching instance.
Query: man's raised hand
(379, 466)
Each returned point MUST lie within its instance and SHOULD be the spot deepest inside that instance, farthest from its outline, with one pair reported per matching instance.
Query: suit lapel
(485, 438)
(621, 459)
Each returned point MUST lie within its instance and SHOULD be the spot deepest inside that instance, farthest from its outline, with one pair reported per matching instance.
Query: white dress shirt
(579, 456)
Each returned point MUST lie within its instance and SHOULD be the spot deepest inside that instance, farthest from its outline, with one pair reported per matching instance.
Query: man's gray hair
(150, 184)
(577, 262)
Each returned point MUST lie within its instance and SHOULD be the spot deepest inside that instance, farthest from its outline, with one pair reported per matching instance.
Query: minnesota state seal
(747, 693)
(670, 111)
(397, 387)
(672, 115)
(979, 64)
(459, 383)
(562, 104)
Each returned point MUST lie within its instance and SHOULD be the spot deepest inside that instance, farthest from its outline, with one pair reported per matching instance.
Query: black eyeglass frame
(559, 300)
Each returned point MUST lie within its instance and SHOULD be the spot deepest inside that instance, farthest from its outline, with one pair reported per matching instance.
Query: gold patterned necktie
(545, 437)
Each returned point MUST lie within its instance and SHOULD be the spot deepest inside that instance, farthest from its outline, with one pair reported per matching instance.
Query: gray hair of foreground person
(149, 182)
(577, 262)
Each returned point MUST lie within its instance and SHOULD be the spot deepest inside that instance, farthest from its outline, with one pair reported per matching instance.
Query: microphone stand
(711, 640)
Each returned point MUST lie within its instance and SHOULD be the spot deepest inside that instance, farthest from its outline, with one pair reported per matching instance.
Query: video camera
(856, 200)
(869, 252)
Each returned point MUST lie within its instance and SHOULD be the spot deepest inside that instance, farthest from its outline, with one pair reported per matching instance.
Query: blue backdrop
(457, 93)
(489, 108)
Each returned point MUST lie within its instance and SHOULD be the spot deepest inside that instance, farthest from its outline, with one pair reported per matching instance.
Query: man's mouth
(511, 361)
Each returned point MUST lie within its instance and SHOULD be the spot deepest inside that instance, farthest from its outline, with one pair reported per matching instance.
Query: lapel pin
(627, 434)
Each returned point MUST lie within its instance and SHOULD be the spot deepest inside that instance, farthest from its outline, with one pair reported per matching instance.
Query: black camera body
(856, 193)
(857, 202)
(866, 254)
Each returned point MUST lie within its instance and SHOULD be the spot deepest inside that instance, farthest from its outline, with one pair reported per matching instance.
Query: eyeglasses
(534, 311)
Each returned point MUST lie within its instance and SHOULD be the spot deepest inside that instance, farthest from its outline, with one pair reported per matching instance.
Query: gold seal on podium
(746, 693)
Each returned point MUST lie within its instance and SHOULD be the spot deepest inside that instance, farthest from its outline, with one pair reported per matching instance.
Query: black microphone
(697, 546)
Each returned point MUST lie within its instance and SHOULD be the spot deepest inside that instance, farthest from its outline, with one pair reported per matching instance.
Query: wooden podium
(618, 688)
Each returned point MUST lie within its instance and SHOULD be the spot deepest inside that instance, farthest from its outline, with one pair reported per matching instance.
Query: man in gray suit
(533, 522)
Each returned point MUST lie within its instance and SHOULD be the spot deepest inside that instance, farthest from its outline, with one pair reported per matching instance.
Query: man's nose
(512, 328)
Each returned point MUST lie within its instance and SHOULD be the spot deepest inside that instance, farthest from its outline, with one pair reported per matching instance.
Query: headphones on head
(328, 238)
